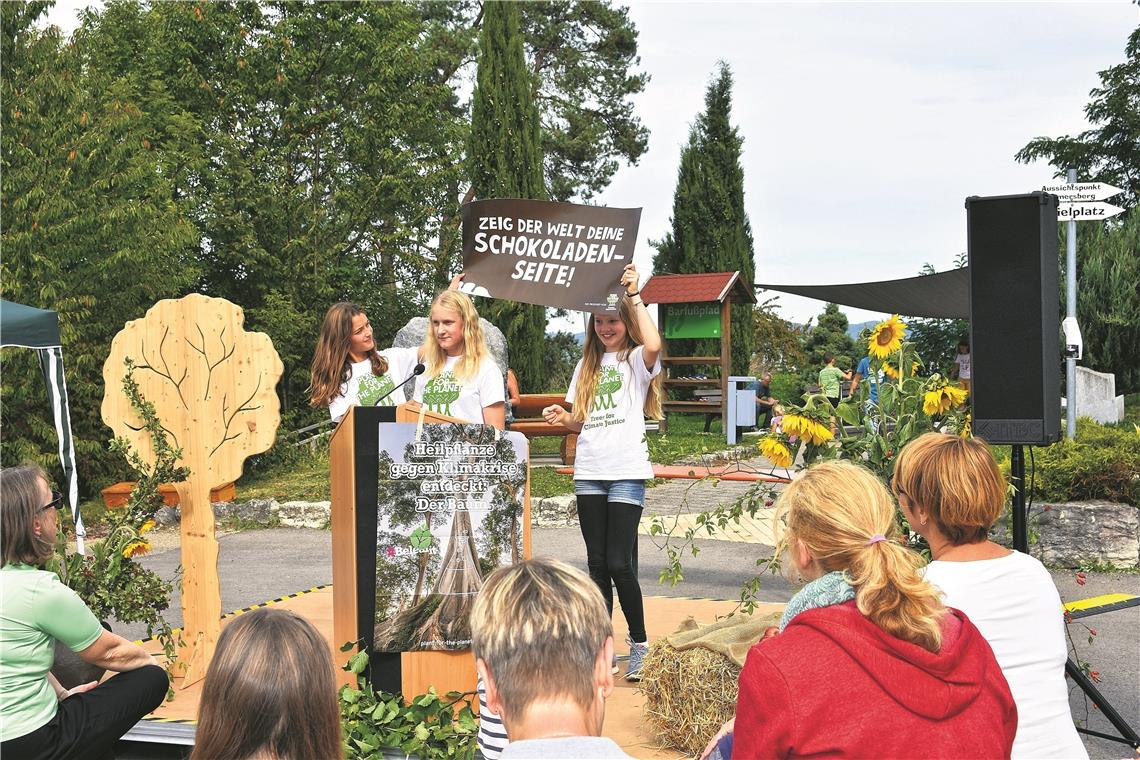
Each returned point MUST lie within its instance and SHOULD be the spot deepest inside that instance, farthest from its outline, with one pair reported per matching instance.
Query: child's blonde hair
(474, 345)
(835, 510)
(592, 352)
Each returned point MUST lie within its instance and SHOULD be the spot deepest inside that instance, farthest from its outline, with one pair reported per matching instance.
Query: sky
(865, 125)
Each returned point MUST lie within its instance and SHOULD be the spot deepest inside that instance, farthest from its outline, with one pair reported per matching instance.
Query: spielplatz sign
(562, 255)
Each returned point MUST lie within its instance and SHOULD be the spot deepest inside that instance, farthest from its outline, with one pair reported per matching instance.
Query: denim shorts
(625, 491)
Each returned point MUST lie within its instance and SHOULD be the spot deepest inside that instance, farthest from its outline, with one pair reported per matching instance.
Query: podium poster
(449, 511)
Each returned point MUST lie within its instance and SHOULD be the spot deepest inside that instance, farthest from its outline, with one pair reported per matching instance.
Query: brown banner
(552, 254)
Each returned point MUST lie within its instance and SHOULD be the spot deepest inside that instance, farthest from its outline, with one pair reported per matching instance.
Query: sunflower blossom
(136, 547)
(892, 372)
(148, 525)
(886, 338)
(794, 425)
(776, 452)
(932, 402)
(956, 396)
(817, 433)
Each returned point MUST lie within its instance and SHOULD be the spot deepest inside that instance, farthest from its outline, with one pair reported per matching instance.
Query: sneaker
(636, 658)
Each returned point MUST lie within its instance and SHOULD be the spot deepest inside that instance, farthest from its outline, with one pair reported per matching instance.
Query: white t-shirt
(444, 394)
(363, 388)
(612, 445)
(1013, 602)
(963, 362)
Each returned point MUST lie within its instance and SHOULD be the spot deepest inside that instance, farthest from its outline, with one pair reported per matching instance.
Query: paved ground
(259, 565)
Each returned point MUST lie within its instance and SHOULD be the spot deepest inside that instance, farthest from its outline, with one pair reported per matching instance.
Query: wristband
(637, 302)
(634, 293)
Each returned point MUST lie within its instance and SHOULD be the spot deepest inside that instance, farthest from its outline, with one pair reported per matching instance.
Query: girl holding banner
(615, 386)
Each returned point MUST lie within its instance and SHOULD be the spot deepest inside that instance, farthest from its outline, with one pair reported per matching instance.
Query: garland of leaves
(109, 581)
(426, 727)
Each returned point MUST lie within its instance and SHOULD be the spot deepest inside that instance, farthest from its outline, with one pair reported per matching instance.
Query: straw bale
(688, 694)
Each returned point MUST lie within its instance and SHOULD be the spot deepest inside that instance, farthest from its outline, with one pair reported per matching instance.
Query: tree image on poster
(449, 511)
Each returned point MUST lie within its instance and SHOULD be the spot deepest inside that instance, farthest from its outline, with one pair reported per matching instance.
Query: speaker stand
(1021, 544)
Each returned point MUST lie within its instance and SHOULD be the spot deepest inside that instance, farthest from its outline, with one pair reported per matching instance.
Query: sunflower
(893, 373)
(776, 452)
(932, 402)
(136, 547)
(967, 426)
(810, 430)
(148, 525)
(956, 395)
(886, 338)
(943, 399)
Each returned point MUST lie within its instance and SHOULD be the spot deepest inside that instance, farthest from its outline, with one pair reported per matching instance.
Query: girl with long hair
(270, 692)
(347, 370)
(462, 379)
(615, 386)
(868, 661)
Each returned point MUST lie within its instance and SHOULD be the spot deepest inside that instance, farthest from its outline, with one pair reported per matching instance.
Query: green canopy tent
(25, 327)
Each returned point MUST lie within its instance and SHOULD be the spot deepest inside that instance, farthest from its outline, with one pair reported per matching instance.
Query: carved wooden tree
(213, 387)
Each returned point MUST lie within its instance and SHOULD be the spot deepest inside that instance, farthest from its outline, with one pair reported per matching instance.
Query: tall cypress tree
(710, 228)
(506, 162)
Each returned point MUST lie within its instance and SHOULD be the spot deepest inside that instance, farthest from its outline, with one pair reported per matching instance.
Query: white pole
(1071, 311)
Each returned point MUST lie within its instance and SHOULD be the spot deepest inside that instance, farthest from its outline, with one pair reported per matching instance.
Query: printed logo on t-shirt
(373, 388)
(440, 392)
(609, 383)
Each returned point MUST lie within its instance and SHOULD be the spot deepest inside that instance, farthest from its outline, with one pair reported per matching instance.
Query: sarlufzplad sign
(563, 255)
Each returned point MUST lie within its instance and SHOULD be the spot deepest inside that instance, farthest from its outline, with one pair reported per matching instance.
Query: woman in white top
(462, 380)
(951, 492)
(615, 385)
(347, 370)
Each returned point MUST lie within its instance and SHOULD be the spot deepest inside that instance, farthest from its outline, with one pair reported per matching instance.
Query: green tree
(779, 343)
(936, 340)
(828, 336)
(505, 151)
(710, 228)
(1108, 309)
(561, 351)
(93, 228)
(1110, 151)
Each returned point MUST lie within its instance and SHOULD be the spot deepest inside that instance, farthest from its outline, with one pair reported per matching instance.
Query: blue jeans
(626, 491)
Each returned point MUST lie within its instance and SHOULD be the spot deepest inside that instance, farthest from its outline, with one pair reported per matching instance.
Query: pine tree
(506, 162)
(710, 228)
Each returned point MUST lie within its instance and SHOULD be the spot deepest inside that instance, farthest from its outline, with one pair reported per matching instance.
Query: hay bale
(688, 694)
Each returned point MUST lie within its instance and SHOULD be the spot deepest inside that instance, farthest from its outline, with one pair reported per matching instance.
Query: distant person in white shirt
(543, 644)
(951, 492)
(961, 369)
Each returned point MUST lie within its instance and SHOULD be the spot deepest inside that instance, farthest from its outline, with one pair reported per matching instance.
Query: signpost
(1080, 201)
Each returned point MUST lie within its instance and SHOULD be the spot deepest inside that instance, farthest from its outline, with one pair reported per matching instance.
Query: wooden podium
(353, 465)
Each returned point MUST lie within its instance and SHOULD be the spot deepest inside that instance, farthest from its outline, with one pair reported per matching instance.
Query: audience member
(765, 404)
(951, 491)
(868, 661)
(270, 692)
(543, 643)
(830, 378)
(39, 718)
(961, 369)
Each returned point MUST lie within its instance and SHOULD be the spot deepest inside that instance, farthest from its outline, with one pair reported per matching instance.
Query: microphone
(419, 369)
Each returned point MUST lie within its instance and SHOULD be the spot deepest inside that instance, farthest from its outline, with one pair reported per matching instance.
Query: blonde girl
(347, 370)
(869, 628)
(615, 386)
(462, 379)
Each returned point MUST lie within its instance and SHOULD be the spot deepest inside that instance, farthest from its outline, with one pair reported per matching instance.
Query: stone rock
(1072, 533)
(304, 514)
(257, 511)
(1096, 396)
(414, 333)
(224, 510)
(167, 516)
(554, 511)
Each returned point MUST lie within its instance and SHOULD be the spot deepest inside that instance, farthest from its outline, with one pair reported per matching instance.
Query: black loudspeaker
(1014, 318)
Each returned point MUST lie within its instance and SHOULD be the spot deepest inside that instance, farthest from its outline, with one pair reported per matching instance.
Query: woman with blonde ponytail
(868, 662)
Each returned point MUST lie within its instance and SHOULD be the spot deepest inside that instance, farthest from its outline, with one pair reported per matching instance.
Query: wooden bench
(529, 421)
(116, 496)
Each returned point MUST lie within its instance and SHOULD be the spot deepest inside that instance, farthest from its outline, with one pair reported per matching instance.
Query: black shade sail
(944, 295)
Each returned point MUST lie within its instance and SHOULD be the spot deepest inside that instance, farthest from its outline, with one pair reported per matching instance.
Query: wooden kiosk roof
(697, 288)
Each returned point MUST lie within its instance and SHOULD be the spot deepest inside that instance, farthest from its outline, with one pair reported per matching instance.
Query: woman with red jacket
(868, 662)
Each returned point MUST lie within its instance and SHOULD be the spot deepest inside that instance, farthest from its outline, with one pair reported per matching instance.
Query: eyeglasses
(56, 500)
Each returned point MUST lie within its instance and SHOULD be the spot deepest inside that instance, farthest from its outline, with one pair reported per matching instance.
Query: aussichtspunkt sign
(562, 255)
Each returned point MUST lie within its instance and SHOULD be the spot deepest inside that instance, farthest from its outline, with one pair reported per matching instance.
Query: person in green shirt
(830, 377)
(39, 718)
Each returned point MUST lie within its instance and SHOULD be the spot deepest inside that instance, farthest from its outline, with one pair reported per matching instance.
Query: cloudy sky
(865, 125)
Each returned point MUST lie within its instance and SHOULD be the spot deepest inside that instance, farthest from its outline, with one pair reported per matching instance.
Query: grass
(298, 475)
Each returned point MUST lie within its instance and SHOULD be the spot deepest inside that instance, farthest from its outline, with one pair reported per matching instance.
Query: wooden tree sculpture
(213, 387)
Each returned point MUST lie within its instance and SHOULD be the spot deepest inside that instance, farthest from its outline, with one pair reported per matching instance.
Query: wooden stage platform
(624, 723)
